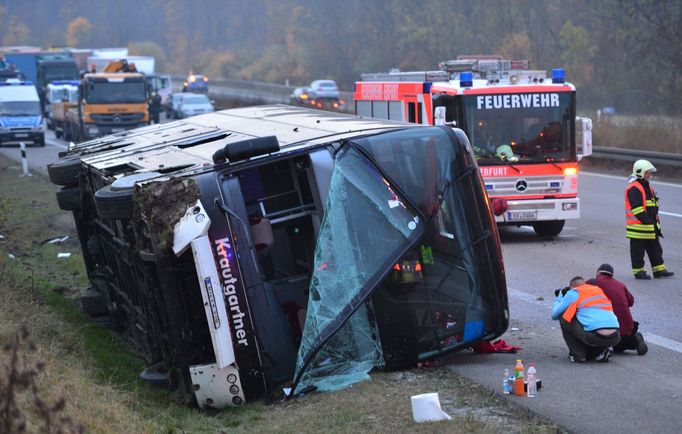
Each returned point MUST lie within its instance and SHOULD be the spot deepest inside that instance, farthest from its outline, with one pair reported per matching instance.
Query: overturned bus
(250, 248)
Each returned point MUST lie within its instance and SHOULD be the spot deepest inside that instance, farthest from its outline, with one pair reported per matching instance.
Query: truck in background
(521, 124)
(43, 67)
(159, 83)
(108, 102)
(62, 96)
(21, 119)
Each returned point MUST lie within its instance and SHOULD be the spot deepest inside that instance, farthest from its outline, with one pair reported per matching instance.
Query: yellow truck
(108, 102)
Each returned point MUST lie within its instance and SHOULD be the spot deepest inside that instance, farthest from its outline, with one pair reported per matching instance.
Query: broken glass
(367, 225)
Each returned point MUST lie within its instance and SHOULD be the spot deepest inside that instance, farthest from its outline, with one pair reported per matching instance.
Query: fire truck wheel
(549, 228)
(114, 204)
(69, 198)
(65, 171)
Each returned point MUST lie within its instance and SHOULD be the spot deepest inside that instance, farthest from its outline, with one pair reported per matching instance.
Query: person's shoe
(641, 275)
(573, 359)
(664, 273)
(605, 355)
(642, 347)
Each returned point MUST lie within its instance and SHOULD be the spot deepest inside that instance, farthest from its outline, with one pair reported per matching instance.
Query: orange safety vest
(634, 228)
(588, 296)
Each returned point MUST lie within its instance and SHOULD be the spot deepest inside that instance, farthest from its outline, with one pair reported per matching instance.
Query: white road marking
(624, 178)
(650, 337)
(56, 144)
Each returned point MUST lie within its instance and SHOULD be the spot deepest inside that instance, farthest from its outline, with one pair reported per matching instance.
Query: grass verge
(96, 373)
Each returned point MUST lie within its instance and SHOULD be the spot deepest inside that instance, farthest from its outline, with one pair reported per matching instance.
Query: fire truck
(521, 123)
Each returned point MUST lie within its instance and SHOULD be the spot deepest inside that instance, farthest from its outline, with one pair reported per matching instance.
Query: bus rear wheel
(549, 228)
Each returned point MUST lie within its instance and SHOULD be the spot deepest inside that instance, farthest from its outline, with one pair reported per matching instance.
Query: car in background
(196, 83)
(173, 104)
(192, 104)
(325, 95)
(301, 96)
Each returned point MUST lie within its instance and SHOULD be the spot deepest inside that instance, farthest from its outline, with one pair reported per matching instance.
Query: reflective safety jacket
(589, 296)
(641, 211)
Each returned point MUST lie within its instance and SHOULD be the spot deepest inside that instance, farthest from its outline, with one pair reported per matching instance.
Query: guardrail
(662, 158)
(252, 92)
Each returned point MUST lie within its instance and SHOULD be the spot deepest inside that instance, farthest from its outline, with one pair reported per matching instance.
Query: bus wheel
(65, 171)
(549, 228)
(114, 203)
(69, 198)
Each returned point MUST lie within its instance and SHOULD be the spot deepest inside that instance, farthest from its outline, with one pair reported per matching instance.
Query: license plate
(522, 215)
(20, 135)
(116, 130)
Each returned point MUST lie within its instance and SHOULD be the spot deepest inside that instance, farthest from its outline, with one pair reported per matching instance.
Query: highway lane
(629, 394)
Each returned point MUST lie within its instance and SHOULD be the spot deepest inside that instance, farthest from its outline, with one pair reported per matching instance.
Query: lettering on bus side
(524, 100)
(225, 252)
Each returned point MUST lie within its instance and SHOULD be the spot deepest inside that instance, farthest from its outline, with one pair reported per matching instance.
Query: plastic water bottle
(519, 379)
(532, 381)
(506, 384)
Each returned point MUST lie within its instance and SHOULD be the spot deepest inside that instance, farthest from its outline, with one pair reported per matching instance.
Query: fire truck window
(530, 127)
(419, 113)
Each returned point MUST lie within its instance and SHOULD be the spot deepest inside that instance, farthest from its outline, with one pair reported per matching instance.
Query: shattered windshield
(448, 291)
(434, 289)
(365, 223)
(520, 128)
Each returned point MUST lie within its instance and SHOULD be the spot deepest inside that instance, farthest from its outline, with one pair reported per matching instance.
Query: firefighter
(155, 108)
(643, 227)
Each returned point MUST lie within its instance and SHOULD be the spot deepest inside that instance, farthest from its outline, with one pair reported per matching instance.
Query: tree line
(620, 53)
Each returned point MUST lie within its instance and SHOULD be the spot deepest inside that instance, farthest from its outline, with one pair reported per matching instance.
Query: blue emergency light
(426, 87)
(466, 79)
(73, 82)
(558, 75)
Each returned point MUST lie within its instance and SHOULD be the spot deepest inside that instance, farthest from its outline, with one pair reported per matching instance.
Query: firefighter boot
(664, 273)
(641, 275)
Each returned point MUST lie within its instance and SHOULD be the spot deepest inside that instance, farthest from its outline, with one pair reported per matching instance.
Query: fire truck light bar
(466, 79)
(558, 75)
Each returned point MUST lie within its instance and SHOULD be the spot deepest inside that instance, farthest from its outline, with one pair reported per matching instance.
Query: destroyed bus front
(298, 258)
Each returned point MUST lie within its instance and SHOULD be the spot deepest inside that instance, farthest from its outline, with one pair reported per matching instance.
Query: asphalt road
(630, 393)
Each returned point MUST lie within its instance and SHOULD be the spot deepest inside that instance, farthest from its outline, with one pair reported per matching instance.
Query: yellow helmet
(642, 166)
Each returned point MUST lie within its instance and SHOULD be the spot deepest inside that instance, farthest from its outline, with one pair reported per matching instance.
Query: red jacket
(621, 299)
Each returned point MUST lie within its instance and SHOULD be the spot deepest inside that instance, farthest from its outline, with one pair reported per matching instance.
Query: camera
(563, 291)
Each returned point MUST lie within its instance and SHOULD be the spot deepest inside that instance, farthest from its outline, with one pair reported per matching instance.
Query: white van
(21, 119)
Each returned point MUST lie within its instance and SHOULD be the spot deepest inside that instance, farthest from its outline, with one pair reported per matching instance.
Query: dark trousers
(639, 247)
(627, 342)
(584, 345)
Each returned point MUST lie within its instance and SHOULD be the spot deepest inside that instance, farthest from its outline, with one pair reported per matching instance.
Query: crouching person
(588, 324)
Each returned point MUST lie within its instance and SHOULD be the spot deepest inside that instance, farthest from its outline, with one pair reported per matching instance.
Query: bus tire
(69, 198)
(65, 171)
(549, 228)
(114, 204)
